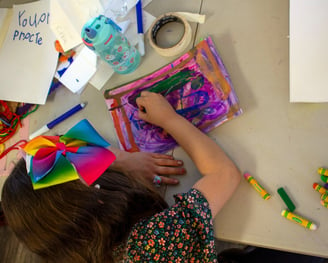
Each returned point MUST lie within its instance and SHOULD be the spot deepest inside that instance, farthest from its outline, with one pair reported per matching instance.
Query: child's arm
(221, 176)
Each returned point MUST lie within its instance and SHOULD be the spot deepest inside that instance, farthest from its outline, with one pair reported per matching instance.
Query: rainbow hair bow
(79, 154)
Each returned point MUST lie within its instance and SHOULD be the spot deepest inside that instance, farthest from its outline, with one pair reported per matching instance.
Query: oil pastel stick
(299, 220)
(323, 171)
(265, 195)
(324, 178)
(325, 204)
(286, 199)
(319, 188)
(324, 197)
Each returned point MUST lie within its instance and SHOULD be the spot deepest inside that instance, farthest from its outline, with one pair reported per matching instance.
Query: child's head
(73, 222)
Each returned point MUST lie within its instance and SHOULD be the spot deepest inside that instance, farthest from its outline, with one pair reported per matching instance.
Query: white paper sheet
(68, 18)
(103, 74)
(28, 58)
(5, 18)
(80, 71)
(3, 14)
(308, 51)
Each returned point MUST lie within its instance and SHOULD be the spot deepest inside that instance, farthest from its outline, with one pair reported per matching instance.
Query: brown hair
(72, 222)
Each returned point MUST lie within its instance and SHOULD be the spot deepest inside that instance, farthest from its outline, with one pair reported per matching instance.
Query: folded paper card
(197, 85)
(28, 58)
(68, 18)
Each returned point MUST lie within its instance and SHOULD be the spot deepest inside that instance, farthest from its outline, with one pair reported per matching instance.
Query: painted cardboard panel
(196, 84)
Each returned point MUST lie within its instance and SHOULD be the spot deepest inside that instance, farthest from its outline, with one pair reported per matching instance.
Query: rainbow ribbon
(79, 154)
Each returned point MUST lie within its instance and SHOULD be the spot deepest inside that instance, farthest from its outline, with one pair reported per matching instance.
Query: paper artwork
(196, 84)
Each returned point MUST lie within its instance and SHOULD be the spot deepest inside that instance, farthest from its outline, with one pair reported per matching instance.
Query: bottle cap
(97, 32)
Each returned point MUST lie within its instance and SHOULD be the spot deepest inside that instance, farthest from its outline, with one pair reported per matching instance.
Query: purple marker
(58, 120)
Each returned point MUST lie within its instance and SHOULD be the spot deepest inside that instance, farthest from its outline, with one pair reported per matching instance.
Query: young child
(121, 217)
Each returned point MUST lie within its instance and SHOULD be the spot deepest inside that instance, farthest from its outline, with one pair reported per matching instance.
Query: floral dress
(181, 233)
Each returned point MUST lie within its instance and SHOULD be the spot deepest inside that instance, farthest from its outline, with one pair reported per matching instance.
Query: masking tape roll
(176, 48)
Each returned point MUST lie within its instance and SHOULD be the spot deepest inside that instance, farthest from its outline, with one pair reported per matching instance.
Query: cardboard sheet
(198, 87)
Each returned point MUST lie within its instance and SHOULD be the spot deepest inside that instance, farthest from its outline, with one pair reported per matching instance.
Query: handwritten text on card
(28, 22)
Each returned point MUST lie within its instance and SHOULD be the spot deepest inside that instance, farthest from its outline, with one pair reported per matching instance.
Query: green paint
(175, 82)
(172, 83)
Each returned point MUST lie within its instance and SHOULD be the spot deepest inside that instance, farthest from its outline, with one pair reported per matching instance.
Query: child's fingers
(168, 180)
(142, 114)
(141, 107)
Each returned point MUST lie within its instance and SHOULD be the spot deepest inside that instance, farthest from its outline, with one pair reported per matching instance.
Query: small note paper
(80, 71)
(28, 58)
(308, 45)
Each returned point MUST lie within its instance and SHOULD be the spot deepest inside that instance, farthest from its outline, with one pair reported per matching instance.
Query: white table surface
(282, 144)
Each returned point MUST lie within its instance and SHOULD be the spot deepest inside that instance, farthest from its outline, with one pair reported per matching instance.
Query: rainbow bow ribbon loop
(80, 153)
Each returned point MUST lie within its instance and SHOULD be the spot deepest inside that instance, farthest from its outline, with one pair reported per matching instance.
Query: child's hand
(147, 165)
(154, 108)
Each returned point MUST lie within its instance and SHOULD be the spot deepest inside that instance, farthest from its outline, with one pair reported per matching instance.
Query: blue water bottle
(103, 36)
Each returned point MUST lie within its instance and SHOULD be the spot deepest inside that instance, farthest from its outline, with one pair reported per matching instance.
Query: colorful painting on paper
(196, 84)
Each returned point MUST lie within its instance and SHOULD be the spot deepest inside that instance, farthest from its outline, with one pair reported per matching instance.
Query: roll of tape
(177, 48)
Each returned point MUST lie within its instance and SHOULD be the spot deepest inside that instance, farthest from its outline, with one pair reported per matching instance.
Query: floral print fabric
(181, 233)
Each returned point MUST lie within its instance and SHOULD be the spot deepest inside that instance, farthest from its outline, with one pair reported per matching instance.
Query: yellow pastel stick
(319, 188)
(299, 220)
(265, 195)
(324, 197)
(323, 171)
(325, 204)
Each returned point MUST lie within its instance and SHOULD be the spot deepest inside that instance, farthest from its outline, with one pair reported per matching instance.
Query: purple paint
(201, 99)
